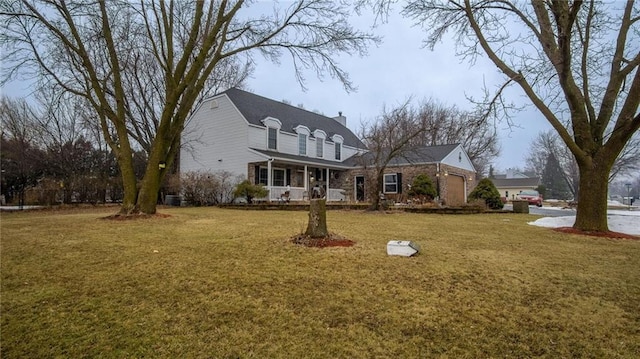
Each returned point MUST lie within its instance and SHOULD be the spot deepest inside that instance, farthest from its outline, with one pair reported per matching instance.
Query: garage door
(455, 190)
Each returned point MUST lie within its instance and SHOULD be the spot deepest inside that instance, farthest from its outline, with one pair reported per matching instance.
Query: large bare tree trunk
(591, 213)
(148, 196)
(129, 182)
(161, 158)
(317, 227)
(375, 199)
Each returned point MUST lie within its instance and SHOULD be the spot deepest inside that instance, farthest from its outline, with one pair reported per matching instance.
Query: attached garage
(448, 166)
(455, 190)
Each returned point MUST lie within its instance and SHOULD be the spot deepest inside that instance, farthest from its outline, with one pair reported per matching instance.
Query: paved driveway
(546, 211)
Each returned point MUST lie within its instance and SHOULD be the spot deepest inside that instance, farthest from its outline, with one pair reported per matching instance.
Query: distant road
(546, 211)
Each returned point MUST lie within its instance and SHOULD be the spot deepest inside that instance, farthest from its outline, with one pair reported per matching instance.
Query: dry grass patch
(206, 282)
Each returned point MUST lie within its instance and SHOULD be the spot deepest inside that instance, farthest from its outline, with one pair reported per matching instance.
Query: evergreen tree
(487, 191)
(422, 186)
(553, 179)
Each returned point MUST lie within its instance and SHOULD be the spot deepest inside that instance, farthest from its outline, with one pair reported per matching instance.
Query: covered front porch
(288, 180)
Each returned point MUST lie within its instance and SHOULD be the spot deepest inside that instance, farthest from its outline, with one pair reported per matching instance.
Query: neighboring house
(514, 173)
(509, 188)
(291, 151)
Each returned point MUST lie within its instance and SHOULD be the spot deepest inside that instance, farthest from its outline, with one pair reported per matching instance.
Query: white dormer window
(272, 138)
(302, 144)
(273, 129)
(320, 136)
(320, 147)
(337, 140)
(303, 134)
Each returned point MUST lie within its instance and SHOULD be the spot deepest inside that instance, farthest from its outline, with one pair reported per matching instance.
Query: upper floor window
(273, 126)
(303, 134)
(272, 140)
(302, 144)
(337, 140)
(320, 136)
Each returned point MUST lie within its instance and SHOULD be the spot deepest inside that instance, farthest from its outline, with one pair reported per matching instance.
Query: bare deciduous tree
(393, 135)
(21, 154)
(576, 61)
(99, 50)
(444, 125)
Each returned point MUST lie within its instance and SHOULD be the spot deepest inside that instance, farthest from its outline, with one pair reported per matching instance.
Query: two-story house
(283, 147)
(292, 150)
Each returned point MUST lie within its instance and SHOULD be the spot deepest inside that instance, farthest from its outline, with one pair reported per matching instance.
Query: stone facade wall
(408, 175)
(345, 180)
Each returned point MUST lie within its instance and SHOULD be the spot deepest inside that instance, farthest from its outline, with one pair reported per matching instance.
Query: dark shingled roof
(420, 155)
(516, 182)
(256, 108)
(285, 157)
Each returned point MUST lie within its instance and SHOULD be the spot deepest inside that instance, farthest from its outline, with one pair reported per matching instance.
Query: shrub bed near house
(487, 191)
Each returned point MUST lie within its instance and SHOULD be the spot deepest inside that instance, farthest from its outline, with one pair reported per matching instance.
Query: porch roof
(301, 160)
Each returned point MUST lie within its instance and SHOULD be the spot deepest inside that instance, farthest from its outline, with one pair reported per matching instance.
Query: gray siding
(216, 139)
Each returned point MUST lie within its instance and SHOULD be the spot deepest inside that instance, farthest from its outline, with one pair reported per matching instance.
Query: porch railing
(295, 193)
(300, 194)
(335, 195)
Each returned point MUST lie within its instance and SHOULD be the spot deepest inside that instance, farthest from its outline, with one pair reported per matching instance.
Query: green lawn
(214, 283)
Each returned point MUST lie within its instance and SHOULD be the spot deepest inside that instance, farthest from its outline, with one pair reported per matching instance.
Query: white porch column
(327, 184)
(306, 179)
(269, 178)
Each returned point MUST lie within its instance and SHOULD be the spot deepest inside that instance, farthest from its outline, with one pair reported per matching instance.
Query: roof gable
(458, 157)
(418, 155)
(255, 108)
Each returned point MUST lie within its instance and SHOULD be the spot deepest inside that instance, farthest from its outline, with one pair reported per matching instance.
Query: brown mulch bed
(609, 234)
(333, 240)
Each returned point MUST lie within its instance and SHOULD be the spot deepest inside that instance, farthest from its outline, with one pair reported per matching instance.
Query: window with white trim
(272, 140)
(263, 176)
(302, 144)
(278, 177)
(320, 147)
(338, 151)
(391, 183)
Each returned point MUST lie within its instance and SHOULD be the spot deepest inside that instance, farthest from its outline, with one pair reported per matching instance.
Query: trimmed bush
(488, 192)
(423, 187)
(250, 191)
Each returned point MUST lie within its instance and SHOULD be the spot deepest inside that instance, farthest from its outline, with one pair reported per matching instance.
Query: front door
(359, 183)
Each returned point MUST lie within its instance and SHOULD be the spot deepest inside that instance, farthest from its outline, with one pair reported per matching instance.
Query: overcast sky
(395, 70)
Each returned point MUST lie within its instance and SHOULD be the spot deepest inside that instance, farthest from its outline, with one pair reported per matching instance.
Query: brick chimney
(341, 119)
